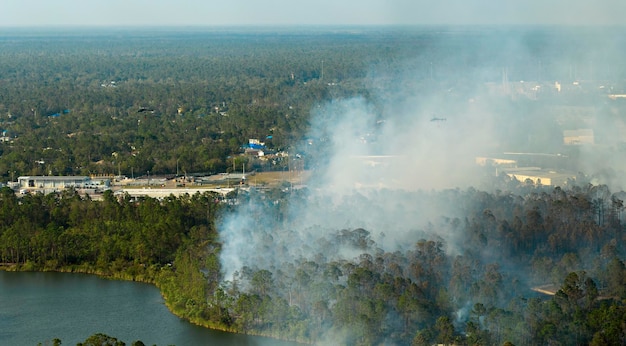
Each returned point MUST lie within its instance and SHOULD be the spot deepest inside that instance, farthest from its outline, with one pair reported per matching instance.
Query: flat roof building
(578, 137)
(51, 183)
(540, 176)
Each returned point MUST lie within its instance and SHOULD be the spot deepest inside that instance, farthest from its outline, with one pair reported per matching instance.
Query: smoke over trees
(342, 286)
(389, 244)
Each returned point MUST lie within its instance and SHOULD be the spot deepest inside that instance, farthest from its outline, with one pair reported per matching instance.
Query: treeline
(171, 243)
(471, 286)
(99, 339)
(69, 102)
(118, 237)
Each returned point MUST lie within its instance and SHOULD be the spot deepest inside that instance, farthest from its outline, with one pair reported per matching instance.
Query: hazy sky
(308, 12)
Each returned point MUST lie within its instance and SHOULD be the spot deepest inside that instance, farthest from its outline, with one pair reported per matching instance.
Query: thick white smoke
(395, 162)
(375, 172)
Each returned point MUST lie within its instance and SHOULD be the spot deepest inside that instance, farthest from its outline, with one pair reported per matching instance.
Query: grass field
(276, 178)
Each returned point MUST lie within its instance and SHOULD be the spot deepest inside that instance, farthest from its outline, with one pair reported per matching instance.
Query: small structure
(617, 96)
(492, 161)
(255, 144)
(224, 179)
(578, 137)
(98, 182)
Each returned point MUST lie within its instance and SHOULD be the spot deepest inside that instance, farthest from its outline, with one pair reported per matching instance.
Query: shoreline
(13, 267)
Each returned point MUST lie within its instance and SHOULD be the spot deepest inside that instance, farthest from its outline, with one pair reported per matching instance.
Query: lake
(38, 307)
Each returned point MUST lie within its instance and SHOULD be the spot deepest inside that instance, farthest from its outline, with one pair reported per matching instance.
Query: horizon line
(371, 25)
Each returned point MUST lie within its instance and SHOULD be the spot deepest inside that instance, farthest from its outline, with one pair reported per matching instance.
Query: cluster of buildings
(156, 187)
(528, 167)
(531, 174)
(152, 186)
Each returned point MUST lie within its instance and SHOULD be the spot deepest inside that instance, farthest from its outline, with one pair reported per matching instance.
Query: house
(255, 144)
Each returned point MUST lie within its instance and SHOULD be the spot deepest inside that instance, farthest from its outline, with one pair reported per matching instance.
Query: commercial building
(578, 137)
(48, 184)
(540, 176)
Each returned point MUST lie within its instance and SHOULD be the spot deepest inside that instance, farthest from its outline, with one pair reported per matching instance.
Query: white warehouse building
(48, 184)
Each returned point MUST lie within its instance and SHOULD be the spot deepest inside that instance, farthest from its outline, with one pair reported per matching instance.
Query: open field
(276, 178)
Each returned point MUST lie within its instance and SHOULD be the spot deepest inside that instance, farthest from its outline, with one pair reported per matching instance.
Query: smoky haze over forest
(381, 162)
(431, 119)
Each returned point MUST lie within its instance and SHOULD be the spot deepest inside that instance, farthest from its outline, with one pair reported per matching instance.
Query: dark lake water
(38, 307)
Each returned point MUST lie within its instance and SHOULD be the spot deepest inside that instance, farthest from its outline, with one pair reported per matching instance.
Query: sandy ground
(276, 178)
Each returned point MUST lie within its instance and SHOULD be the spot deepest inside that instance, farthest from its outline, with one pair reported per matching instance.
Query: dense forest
(470, 272)
(477, 294)
(105, 101)
(73, 102)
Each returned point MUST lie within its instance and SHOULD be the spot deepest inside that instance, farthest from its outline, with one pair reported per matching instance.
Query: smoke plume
(369, 168)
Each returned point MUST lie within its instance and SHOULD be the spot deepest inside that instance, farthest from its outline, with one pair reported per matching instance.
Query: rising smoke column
(376, 165)
(368, 163)
(376, 171)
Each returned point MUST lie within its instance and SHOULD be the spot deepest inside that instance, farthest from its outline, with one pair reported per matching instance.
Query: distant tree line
(71, 104)
(99, 339)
